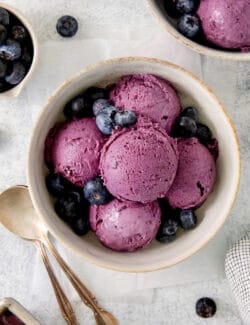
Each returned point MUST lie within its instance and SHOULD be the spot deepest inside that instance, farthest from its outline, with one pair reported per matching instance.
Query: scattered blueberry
(3, 33)
(56, 184)
(99, 104)
(68, 206)
(167, 231)
(189, 25)
(203, 133)
(3, 68)
(4, 17)
(125, 118)
(17, 74)
(105, 119)
(185, 127)
(94, 93)
(19, 33)
(95, 192)
(80, 226)
(10, 50)
(186, 6)
(78, 107)
(205, 307)
(67, 26)
(188, 219)
(169, 6)
(191, 112)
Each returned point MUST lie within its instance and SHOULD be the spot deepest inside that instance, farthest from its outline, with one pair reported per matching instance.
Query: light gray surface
(110, 29)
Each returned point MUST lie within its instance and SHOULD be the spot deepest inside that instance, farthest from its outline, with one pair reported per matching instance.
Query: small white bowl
(211, 215)
(15, 91)
(157, 9)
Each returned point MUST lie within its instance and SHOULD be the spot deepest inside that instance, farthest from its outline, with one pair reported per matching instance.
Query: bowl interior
(169, 24)
(211, 215)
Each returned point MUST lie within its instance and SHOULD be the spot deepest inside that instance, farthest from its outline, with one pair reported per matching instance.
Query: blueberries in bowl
(95, 192)
(189, 25)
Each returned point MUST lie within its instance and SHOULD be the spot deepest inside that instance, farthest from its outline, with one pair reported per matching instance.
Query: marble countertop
(111, 29)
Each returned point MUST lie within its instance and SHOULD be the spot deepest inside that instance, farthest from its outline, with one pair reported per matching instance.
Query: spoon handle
(63, 302)
(102, 316)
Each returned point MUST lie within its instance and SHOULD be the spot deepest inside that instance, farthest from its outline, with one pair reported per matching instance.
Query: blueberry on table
(56, 184)
(68, 206)
(190, 112)
(10, 50)
(185, 127)
(203, 133)
(3, 33)
(80, 226)
(189, 25)
(4, 17)
(186, 6)
(105, 119)
(67, 26)
(125, 118)
(78, 107)
(19, 33)
(187, 219)
(99, 104)
(95, 192)
(17, 74)
(94, 93)
(167, 231)
(205, 307)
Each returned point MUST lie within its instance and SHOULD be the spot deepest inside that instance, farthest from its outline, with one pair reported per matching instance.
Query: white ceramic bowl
(15, 91)
(169, 24)
(211, 215)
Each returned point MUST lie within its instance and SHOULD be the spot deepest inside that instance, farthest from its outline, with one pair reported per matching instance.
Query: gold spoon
(18, 215)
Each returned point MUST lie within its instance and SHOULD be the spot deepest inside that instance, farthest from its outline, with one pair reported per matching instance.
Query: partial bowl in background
(213, 212)
(169, 24)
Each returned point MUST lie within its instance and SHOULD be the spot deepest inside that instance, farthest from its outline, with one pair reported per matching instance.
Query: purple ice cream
(73, 148)
(226, 23)
(195, 176)
(125, 226)
(139, 164)
(148, 95)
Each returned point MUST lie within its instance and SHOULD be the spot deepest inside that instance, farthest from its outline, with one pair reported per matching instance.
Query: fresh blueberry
(80, 226)
(125, 118)
(19, 33)
(205, 307)
(167, 231)
(189, 25)
(191, 112)
(69, 205)
(105, 119)
(186, 6)
(3, 68)
(10, 50)
(67, 26)
(188, 219)
(95, 192)
(185, 127)
(3, 33)
(94, 93)
(4, 17)
(99, 104)
(170, 8)
(56, 184)
(78, 107)
(203, 133)
(17, 74)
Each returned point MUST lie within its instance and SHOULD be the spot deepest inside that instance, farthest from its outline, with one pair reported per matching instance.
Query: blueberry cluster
(188, 23)
(171, 220)
(16, 50)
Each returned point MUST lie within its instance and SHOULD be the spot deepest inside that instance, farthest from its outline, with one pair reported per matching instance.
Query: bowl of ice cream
(127, 166)
(218, 28)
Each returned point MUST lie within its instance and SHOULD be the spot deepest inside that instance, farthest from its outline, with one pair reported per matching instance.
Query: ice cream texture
(124, 225)
(226, 23)
(149, 95)
(139, 164)
(74, 150)
(195, 176)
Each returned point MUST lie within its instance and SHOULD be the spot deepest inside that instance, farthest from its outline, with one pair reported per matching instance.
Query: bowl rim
(67, 243)
(201, 49)
(15, 91)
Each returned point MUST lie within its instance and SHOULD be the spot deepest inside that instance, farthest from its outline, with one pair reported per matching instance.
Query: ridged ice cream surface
(226, 23)
(124, 225)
